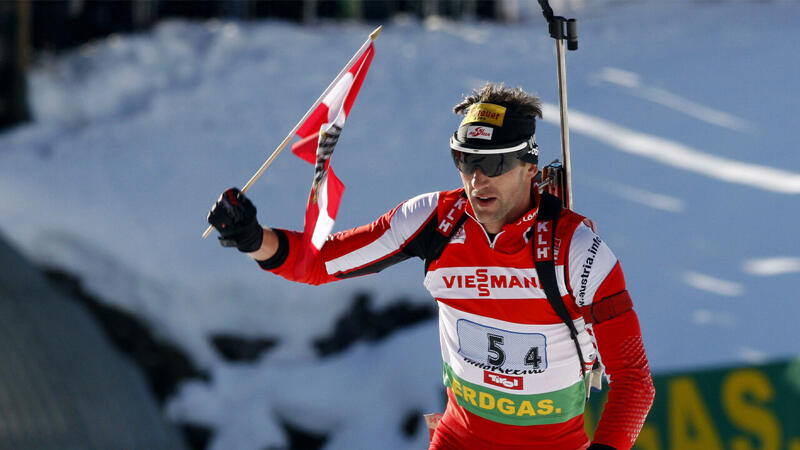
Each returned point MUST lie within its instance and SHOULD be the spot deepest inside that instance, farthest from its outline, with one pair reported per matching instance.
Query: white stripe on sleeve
(403, 224)
(590, 261)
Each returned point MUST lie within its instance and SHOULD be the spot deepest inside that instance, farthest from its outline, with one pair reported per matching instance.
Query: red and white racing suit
(511, 369)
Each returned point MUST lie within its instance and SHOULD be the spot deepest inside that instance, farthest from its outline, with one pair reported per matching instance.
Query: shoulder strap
(544, 229)
(452, 219)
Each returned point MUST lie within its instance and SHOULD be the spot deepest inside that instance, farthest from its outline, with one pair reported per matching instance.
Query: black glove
(234, 216)
(600, 447)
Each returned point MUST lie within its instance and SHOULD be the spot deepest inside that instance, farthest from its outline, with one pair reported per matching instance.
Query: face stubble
(499, 200)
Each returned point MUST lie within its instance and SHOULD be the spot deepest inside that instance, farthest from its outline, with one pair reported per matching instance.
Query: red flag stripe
(326, 111)
(358, 78)
(314, 121)
(306, 148)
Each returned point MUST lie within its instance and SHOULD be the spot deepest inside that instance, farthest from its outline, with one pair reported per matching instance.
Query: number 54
(497, 356)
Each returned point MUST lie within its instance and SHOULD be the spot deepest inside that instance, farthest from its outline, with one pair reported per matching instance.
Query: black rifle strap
(543, 233)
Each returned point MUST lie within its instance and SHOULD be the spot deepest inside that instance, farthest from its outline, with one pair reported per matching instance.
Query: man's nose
(479, 178)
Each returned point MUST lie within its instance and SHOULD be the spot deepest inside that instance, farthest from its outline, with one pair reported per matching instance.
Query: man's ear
(531, 170)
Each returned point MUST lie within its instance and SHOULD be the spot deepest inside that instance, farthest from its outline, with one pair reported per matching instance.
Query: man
(515, 373)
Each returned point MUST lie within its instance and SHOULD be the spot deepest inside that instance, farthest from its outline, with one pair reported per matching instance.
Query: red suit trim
(631, 386)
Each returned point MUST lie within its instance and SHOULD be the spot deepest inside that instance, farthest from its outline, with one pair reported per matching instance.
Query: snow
(684, 153)
(679, 155)
(636, 86)
(643, 197)
(713, 317)
(354, 394)
(713, 285)
(772, 266)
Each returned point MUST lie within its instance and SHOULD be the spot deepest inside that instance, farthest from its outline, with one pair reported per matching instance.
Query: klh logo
(505, 381)
(541, 243)
(452, 216)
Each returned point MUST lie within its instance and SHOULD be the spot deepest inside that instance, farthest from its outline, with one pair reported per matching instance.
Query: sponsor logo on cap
(486, 113)
(480, 132)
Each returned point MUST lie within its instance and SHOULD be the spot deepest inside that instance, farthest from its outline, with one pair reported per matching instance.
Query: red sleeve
(609, 308)
(338, 245)
(316, 274)
(393, 237)
(631, 394)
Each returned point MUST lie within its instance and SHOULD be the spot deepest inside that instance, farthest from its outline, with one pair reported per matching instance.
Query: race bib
(512, 351)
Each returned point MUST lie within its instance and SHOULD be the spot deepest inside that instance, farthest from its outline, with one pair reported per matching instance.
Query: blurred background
(122, 121)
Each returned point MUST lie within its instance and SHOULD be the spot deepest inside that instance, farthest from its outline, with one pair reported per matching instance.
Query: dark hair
(515, 100)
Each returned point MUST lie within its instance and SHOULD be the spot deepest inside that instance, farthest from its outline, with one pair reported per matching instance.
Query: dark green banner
(740, 408)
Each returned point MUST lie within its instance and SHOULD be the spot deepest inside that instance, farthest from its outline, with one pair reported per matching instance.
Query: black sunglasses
(491, 164)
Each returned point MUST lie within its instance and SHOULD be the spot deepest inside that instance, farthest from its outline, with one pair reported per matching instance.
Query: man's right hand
(234, 216)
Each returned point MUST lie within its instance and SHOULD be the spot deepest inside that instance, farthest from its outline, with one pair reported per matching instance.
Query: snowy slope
(684, 128)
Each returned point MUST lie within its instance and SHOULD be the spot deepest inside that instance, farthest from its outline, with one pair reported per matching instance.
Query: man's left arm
(599, 288)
